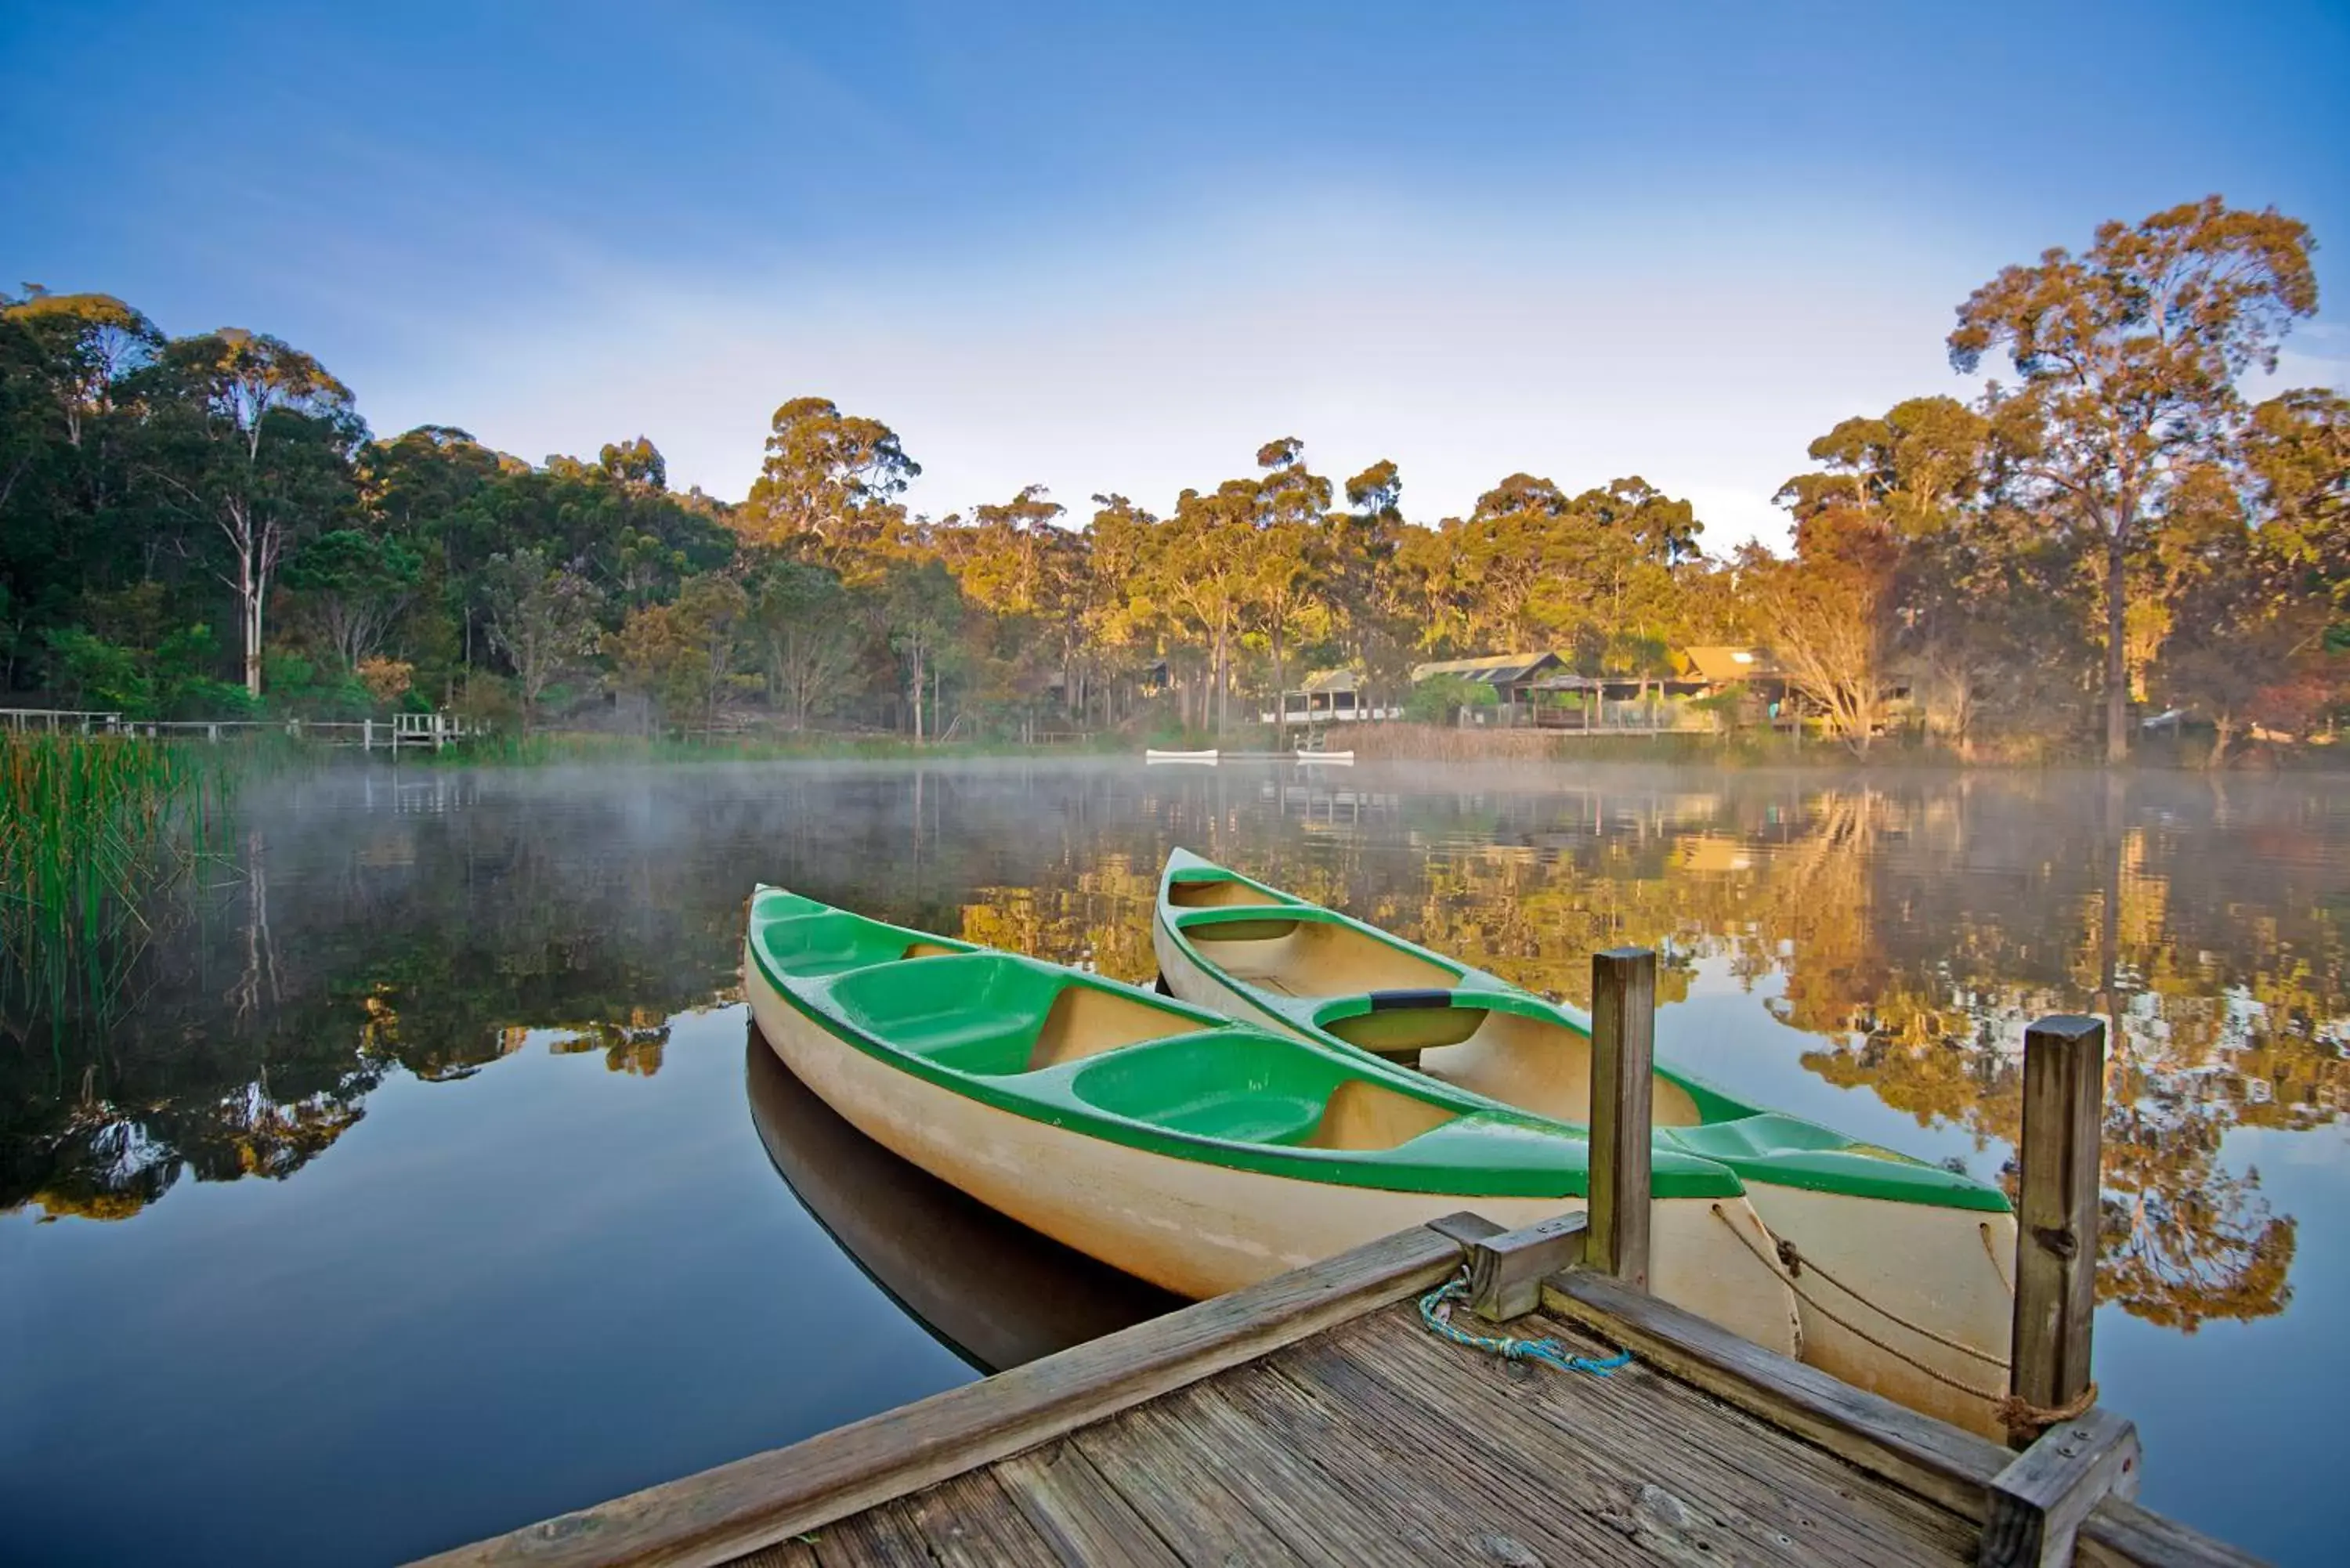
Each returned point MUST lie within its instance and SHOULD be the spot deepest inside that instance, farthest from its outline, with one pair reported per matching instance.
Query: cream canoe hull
(1912, 1265)
(1202, 1229)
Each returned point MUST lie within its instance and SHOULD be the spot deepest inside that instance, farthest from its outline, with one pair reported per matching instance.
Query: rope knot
(1790, 1259)
(2018, 1414)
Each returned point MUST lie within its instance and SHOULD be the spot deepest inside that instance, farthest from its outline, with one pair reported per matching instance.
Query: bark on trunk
(2117, 654)
(249, 605)
(918, 694)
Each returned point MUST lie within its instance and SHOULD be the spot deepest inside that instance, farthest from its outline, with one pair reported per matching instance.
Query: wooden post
(2056, 1210)
(1623, 1053)
(2033, 1509)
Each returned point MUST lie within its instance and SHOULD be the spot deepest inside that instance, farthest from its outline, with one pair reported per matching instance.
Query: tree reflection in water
(1907, 927)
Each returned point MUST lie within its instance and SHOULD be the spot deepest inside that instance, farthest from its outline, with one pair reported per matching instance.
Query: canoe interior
(1220, 894)
(1537, 1063)
(1325, 976)
(1309, 953)
(990, 1014)
(1201, 1084)
(1117, 1063)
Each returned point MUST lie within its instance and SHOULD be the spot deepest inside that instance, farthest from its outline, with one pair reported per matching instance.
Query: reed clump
(90, 828)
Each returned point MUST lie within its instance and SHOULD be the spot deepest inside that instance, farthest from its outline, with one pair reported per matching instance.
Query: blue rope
(1436, 1312)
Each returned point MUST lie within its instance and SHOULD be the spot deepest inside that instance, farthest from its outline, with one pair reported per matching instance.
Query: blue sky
(1117, 246)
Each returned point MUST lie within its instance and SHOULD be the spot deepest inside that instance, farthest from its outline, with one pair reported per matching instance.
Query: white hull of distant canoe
(1202, 1229)
(1157, 756)
(1937, 1268)
(1329, 758)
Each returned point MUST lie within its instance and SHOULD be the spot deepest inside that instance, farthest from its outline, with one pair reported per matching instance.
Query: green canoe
(1168, 1140)
(1919, 1244)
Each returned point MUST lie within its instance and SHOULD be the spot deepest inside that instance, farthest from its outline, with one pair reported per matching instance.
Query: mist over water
(415, 1190)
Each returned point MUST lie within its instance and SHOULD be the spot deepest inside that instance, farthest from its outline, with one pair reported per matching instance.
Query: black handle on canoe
(1381, 1000)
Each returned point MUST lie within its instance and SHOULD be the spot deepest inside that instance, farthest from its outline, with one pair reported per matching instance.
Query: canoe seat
(1215, 893)
(1247, 1087)
(1311, 956)
(811, 945)
(993, 1014)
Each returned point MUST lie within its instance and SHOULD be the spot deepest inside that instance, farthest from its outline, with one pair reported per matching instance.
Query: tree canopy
(201, 525)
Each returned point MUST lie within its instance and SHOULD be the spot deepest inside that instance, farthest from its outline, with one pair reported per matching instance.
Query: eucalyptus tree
(541, 615)
(65, 435)
(1199, 568)
(1287, 559)
(351, 586)
(827, 478)
(259, 440)
(1369, 588)
(805, 631)
(2297, 454)
(2130, 356)
(1119, 617)
(1501, 558)
(1019, 563)
(923, 610)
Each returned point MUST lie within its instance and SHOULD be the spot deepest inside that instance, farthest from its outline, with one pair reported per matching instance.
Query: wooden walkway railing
(401, 730)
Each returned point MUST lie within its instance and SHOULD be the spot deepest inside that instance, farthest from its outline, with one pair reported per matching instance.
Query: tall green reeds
(90, 829)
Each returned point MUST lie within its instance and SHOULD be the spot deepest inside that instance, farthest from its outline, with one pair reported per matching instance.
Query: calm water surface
(430, 1184)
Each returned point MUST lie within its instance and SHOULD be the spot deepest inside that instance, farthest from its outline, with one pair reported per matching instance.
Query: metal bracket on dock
(1506, 1271)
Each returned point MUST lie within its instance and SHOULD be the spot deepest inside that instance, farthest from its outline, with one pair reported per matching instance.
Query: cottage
(1511, 675)
(1329, 696)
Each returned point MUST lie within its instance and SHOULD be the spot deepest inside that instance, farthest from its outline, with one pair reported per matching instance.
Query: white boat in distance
(1211, 758)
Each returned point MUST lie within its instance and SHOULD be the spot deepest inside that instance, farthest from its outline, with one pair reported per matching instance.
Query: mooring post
(2056, 1210)
(2035, 1508)
(1623, 1055)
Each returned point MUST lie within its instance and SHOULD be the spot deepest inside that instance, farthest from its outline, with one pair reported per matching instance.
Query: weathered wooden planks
(1315, 1420)
(722, 1514)
(1952, 1468)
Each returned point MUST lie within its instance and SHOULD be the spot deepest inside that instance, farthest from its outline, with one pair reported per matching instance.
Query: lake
(428, 1181)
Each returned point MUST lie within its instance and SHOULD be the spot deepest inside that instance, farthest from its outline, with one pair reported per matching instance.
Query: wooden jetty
(1316, 1418)
(433, 730)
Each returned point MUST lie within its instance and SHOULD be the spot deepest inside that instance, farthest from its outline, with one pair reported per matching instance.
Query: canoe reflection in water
(994, 1291)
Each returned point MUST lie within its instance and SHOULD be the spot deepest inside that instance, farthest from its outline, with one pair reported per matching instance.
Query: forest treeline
(204, 528)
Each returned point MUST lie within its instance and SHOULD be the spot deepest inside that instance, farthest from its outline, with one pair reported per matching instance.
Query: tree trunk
(248, 604)
(2117, 654)
(1223, 681)
(918, 694)
(1280, 698)
(2224, 735)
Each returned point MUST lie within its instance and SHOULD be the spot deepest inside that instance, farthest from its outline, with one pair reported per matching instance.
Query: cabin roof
(1496, 669)
(1723, 665)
